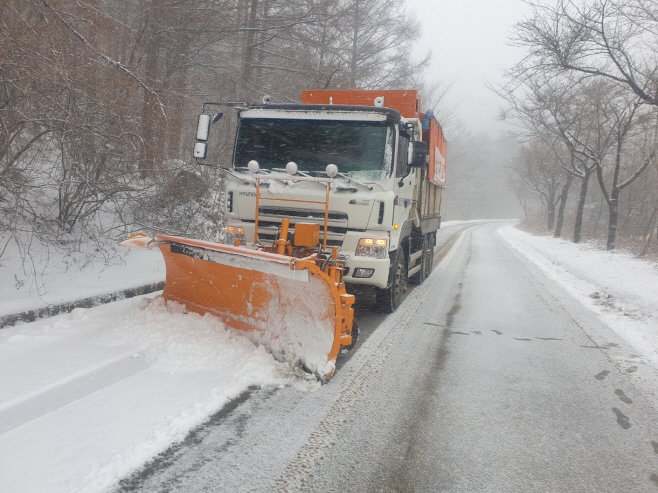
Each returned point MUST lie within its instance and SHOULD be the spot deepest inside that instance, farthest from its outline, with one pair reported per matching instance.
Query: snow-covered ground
(41, 278)
(88, 397)
(621, 289)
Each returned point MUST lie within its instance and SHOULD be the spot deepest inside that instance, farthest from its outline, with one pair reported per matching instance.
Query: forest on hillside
(99, 98)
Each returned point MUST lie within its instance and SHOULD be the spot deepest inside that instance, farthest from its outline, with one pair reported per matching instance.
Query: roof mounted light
(332, 170)
(253, 166)
(292, 168)
(379, 101)
(267, 99)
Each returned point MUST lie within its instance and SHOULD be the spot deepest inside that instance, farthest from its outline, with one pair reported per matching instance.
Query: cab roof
(322, 112)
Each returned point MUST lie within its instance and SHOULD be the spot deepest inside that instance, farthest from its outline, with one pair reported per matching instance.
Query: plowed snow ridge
(88, 397)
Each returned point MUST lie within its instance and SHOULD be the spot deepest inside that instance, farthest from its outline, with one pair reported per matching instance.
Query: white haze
(469, 40)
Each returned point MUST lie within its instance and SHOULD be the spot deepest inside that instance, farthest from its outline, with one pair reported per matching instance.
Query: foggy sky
(469, 43)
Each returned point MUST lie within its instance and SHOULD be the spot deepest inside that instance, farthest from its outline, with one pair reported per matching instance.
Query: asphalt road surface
(487, 379)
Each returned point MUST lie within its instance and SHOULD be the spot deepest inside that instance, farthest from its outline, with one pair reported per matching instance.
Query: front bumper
(347, 243)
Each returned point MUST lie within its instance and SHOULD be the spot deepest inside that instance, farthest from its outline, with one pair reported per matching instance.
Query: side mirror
(203, 128)
(418, 154)
(207, 118)
(202, 133)
(200, 150)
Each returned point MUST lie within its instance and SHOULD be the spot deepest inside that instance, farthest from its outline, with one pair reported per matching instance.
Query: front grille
(269, 232)
(306, 214)
(271, 224)
(266, 238)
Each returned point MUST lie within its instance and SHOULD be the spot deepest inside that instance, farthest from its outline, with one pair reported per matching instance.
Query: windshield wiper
(350, 180)
(234, 175)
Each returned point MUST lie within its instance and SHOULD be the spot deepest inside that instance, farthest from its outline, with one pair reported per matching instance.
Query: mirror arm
(234, 175)
(401, 182)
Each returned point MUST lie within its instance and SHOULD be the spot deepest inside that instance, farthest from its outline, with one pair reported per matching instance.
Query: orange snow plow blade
(290, 305)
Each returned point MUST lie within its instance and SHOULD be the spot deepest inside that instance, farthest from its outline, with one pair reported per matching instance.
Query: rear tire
(390, 298)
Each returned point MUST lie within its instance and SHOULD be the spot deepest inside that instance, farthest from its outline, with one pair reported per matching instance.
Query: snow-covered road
(490, 377)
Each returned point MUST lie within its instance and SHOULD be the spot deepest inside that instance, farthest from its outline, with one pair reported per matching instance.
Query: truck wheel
(428, 250)
(390, 298)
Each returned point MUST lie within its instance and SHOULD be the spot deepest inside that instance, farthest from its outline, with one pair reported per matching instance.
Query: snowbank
(90, 396)
(48, 278)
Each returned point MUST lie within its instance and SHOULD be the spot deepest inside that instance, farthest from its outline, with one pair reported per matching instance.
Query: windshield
(357, 148)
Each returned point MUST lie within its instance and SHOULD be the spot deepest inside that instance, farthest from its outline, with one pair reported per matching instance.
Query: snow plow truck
(343, 189)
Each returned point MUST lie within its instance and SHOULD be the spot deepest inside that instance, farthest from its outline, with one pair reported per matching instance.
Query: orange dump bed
(438, 149)
(406, 102)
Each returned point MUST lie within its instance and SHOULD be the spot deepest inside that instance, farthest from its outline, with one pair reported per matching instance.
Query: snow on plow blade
(289, 305)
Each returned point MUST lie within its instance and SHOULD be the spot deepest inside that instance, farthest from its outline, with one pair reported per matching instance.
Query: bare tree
(541, 171)
(611, 39)
(589, 79)
(98, 100)
(553, 112)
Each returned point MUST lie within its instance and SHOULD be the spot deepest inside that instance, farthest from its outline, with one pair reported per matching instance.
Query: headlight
(369, 247)
(231, 233)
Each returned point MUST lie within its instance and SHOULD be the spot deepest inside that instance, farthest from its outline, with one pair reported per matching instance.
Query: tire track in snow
(58, 394)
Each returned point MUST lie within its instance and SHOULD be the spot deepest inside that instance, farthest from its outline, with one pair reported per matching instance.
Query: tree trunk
(355, 44)
(578, 228)
(598, 216)
(563, 203)
(649, 236)
(148, 134)
(174, 147)
(248, 62)
(550, 209)
(613, 207)
(260, 56)
(550, 217)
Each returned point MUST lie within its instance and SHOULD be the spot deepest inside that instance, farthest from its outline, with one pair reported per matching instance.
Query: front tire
(390, 298)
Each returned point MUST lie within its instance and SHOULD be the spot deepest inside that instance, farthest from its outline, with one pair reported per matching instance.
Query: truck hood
(350, 205)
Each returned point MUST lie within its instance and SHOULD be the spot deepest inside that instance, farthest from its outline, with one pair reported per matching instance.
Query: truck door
(403, 181)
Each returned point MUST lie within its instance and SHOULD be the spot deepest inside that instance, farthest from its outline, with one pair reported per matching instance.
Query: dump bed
(434, 177)
(433, 135)
(406, 102)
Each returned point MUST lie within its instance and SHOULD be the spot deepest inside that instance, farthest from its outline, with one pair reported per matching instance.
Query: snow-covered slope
(49, 278)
